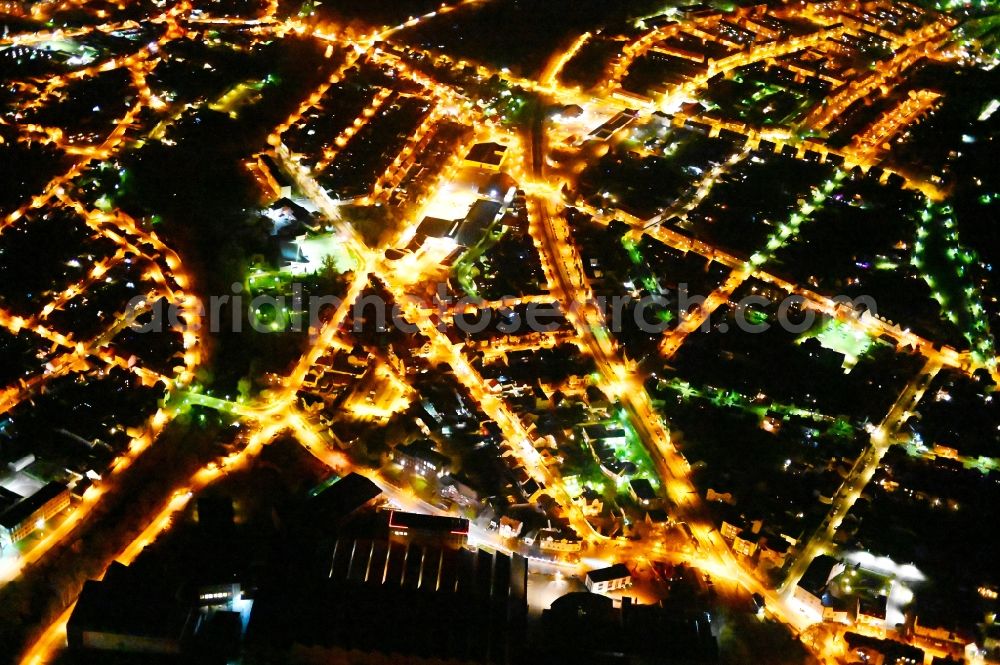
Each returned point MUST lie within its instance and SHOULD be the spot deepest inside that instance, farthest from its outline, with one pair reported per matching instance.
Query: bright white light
(989, 110)
(885, 565)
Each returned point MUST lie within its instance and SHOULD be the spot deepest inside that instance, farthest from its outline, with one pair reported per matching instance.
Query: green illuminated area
(730, 399)
(861, 244)
(646, 278)
(949, 268)
(844, 339)
(787, 232)
(240, 95)
(981, 35)
(762, 99)
(564, 402)
(822, 367)
(514, 107)
(759, 201)
(470, 266)
(585, 473)
(634, 451)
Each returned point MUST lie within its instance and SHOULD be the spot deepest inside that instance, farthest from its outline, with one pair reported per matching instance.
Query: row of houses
(821, 592)
(750, 538)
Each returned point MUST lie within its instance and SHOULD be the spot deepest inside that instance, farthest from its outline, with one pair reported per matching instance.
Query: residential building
(773, 550)
(720, 497)
(553, 540)
(837, 610)
(608, 434)
(941, 629)
(872, 612)
(730, 530)
(275, 177)
(421, 459)
(457, 491)
(745, 543)
(812, 586)
(642, 492)
(608, 579)
(510, 527)
(590, 502)
(732, 522)
(882, 652)
(616, 469)
(19, 520)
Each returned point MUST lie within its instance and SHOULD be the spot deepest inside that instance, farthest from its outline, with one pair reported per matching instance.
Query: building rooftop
(818, 574)
(419, 522)
(776, 544)
(620, 121)
(332, 503)
(599, 431)
(373, 595)
(423, 451)
(585, 627)
(16, 514)
(435, 227)
(487, 153)
(615, 572)
(894, 652)
(124, 604)
(483, 214)
(873, 607)
(7, 499)
(643, 489)
(498, 186)
(553, 533)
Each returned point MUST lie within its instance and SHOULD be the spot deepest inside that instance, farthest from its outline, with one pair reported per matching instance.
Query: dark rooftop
(483, 213)
(818, 574)
(335, 502)
(403, 599)
(894, 652)
(487, 153)
(124, 604)
(443, 524)
(587, 628)
(643, 489)
(423, 451)
(615, 572)
(873, 607)
(435, 227)
(19, 512)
